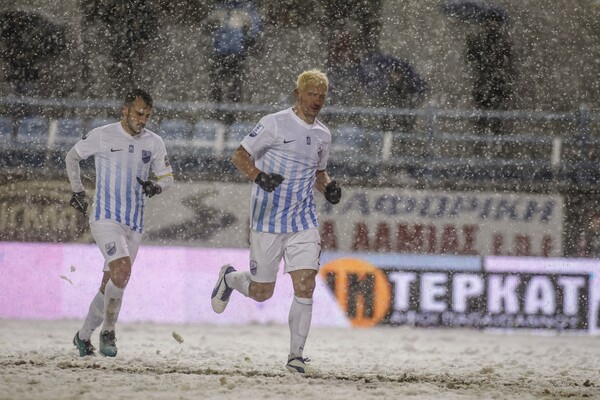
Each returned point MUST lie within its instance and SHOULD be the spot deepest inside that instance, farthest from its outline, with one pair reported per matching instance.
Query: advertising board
(173, 284)
(382, 220)
(168, 284)
(449, 291)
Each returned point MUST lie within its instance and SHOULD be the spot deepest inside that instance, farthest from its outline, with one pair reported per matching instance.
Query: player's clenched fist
(333, 192)
(79, 202)
(149, 188)
(268, 182)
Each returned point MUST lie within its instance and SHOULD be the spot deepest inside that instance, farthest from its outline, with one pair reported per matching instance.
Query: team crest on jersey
(308, 140)
(131, 148)
(146, 155)
(111, 248)
(253, 267)
(257, 129)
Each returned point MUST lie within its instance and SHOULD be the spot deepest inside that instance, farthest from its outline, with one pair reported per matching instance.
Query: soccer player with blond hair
(285, 155)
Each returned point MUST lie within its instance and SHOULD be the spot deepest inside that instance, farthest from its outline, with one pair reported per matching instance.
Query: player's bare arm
(244, 163)
(323, 180)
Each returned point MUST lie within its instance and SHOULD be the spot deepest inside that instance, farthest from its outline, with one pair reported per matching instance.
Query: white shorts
(300, 250)
(115, 240)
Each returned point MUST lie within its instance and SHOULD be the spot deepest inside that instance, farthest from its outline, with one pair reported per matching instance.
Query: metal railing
(535, 148)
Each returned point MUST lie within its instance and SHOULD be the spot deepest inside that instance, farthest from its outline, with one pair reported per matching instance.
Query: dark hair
(135, 93)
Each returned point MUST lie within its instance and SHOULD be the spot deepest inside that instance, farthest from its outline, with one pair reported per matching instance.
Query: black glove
(268, 182)
(149, 188)
(333, 193)
(79, 202)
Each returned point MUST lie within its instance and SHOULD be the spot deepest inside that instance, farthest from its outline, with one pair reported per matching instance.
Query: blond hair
(313, 76)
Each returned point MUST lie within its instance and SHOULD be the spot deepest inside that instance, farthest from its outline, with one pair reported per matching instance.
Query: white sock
(240, 281)
(299, 321)
(113, 296)
(94, 317)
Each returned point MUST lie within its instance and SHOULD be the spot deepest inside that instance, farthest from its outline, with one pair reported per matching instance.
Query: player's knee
(304, 282)
(120, 271)
(263, 295)
(305, 291)
(261, 292)
(120, 280)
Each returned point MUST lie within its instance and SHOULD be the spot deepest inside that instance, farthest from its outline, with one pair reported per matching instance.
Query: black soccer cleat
(108, 343)
(298, 365)
(221, 293)
(84, 346)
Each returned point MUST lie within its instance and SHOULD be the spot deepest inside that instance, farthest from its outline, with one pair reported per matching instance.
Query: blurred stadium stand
(208, 137)
(65, 132)
(32, 132)
(350, 142)
(6, 132)
(236, 132)
(537, 150)
(561, 149)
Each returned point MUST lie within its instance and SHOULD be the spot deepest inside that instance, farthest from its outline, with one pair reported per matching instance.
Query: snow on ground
(38, 361)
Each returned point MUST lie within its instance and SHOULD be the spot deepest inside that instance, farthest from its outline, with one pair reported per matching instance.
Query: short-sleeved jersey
(283, 143)
(120, 158)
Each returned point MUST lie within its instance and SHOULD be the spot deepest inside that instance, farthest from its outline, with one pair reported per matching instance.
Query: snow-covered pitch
(38, 361)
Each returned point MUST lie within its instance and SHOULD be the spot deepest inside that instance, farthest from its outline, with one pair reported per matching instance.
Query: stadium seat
(68, 132)
(236, 132)
(208, 136)
(349, 143)
(175, 133)
(32, 132)
(6, 132)
(97, 122)
(175, 130)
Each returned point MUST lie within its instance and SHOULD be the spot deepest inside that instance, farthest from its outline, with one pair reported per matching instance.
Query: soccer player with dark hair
(124, 153)
(285, 156)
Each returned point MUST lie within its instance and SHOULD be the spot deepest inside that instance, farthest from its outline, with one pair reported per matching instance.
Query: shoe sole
(220, 297)
(108, 355)
(300, 370)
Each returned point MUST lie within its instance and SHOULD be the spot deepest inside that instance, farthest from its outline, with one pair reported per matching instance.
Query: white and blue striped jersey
(120, 158)
(283, 143)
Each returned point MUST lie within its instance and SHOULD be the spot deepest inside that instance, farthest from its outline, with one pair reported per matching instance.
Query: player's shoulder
(318, 125)
(151, 134)
(285, 117)
(109, 127)
(269, 122)
(156, 141)
(102, 130)
(282, 113)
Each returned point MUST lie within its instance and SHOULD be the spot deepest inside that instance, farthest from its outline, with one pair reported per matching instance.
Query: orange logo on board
(362, 290)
